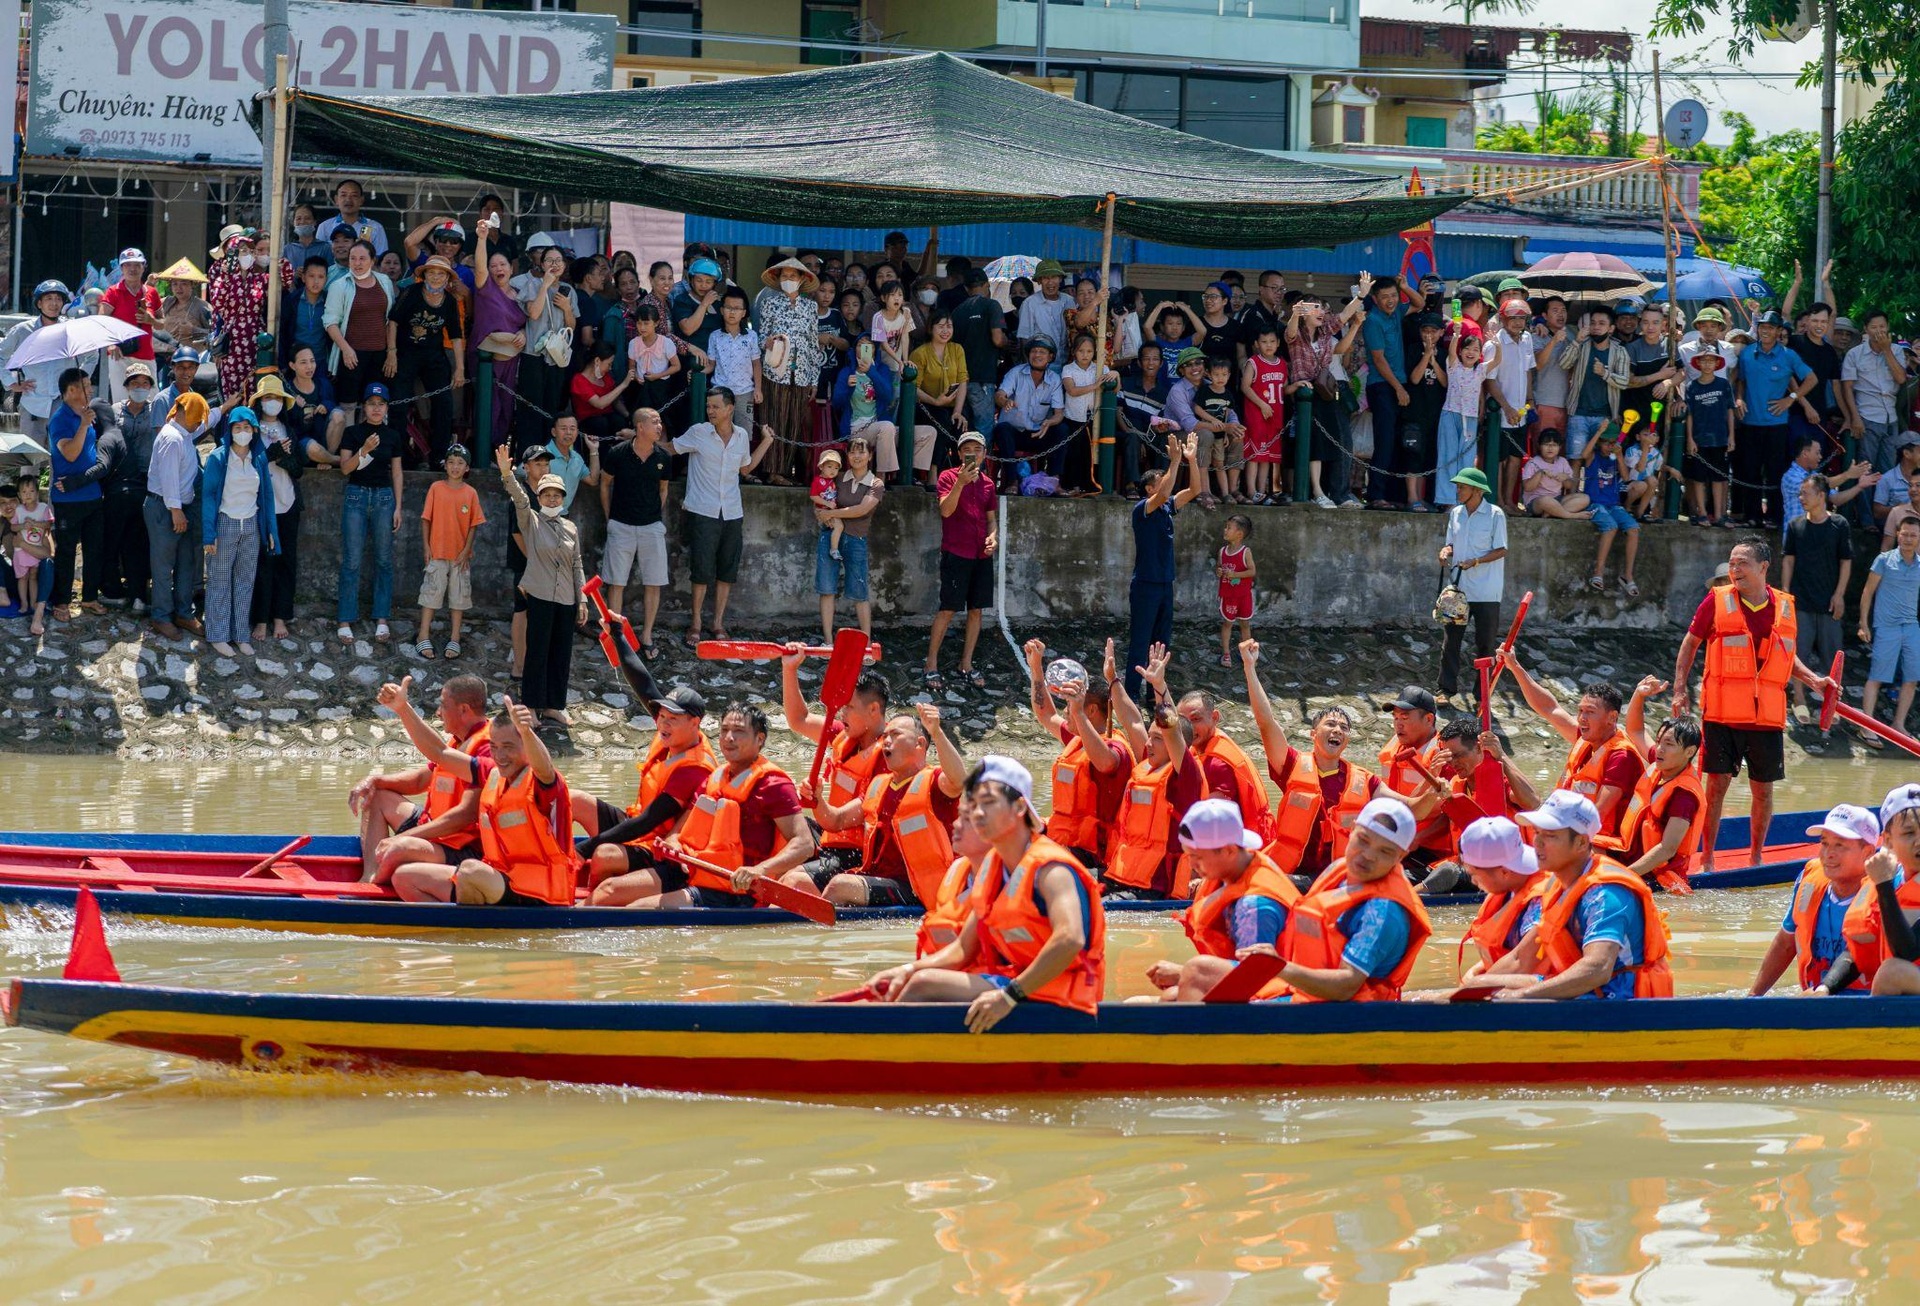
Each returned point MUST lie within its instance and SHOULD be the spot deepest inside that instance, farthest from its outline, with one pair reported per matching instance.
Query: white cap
(1902, 798)
(1006, 771)
(132, 255)
(1853, 822)
(1493, 843)
(1389, 818)
(1215, 823)
(1565, 810)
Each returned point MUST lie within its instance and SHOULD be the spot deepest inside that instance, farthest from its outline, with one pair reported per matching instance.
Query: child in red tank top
(1235, 570)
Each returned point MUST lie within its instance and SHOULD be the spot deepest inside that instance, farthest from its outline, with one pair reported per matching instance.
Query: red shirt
(771, 798)
(1220, 780)
(1622, 771)
(585, 389)
(1319, 850)
(964, 533)
(1759, 621)
(887, 861)
(1683, 807)
(1185, 789)
(121, 302)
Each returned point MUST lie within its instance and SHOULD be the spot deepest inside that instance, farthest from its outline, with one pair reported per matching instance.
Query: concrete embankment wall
(1070, 560)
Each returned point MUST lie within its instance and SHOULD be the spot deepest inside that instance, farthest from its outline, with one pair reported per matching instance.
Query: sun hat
(1493, 843)
(808, 281)
(433, 261)
(1844, 324)
(1049, 267)
(269, 387)
(1707, 355)
(139, 368)
(1710, 314)
(682, 699)
(1215, 823)
(233, 229)
(1849, 821)
(1389, 818)
(550, 482)
(1475, 477)
(181, 270)
(1565, 810)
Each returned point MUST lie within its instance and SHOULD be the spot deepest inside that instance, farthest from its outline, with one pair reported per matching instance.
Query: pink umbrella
(1583, 271)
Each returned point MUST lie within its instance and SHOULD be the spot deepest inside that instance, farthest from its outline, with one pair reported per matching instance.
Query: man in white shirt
(1870, 381)
(711, 513)
(1513, 370)
(349, 197)
(1477, 545)
(1043, 314)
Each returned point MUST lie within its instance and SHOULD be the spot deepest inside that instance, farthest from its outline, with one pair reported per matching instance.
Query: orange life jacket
(1315, 940)
(1866, 932)
(1251, 789)
(1013, 930)
(1559, 949)
(1585, 768)
(846, 774)
(517, 841)
(922, 838)
(1298, 816)
(1644, 824)
(962, 891)
(712, 829)
(1498, 912)
(1146, 825)
(1205, 919)
(1398, 775)
(1077, 820)
(1745, 686)
(1814, 886)
(658, 767)
(447, 789)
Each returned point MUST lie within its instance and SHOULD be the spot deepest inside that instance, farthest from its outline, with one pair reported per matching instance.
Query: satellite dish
(1794, 27)
(1686, 124)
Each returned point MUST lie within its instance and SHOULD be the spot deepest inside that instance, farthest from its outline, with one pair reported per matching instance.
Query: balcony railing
(1503, 181)
(1331, 13)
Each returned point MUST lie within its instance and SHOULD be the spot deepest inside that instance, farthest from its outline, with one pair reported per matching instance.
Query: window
(1353, 125)
(828, 22)
(1150, 97)
(664, 15)
(1428, 133)
(1245, 111)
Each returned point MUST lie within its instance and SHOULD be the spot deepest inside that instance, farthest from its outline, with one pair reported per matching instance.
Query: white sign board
(1686, 124)
(170, 80)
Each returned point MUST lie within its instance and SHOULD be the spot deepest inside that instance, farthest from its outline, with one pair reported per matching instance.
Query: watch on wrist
(1014, 991)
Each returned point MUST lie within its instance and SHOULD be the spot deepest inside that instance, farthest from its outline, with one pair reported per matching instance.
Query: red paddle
(865, 993)
(759, 650)
(262, 867)
(1832, 707)
(1489, 780)
(836, 691)
(1244, 981)
(1513, 633)
(592, 590)
(1474, 993)
(1460, 809)
(766, 892)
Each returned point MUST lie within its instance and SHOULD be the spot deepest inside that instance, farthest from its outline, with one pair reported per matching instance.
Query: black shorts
(516, 567)
(1709, 465)
(713, 548)
(1513, 442)
(831, 862)
(1723, 748)
(885, 892)
(606, 815)
(451, 856)
(966, 584)
(512, 897)
(719, 898)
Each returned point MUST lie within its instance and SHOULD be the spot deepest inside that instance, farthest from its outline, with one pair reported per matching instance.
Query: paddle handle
(592, 591)
(755, 650)
(1459, 808)
(1506, 647)
(807, 905)
(260, 867)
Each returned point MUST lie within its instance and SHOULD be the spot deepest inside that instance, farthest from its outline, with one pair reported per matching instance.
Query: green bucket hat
(1510, 283)
(1474, 477)
(1188, 355)
(1049, 267)
(1710, 314)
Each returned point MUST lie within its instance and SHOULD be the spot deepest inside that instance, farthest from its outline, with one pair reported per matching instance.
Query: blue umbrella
(1706, 278)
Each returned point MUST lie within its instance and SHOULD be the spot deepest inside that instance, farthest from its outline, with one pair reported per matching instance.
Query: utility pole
(1823, 229)
(276, 39)
(1674, 437)
(1040, 38)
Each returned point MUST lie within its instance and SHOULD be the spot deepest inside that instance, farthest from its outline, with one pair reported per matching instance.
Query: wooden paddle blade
(1463, 811)
(836, 691)
(772, 893)
(1830, 700)
(1245, 980)
(1474, 993)
(1673, 882)
(1490, 787)
(89, 958)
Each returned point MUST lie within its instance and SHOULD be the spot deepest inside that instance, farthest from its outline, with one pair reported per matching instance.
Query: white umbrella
(72, 338)
(23, 446)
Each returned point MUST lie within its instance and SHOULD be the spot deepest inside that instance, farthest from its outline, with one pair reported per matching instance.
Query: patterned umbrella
(1578, 271)
(1009, 266)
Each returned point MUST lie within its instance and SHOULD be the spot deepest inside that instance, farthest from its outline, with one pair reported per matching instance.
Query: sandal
(425, 649)
(1632, 589)
(1225, 661)
(933, 680)
(345, 633)
(381, 634)
(649, 652)
(691, 639)
(974, 678)
(1598, 584)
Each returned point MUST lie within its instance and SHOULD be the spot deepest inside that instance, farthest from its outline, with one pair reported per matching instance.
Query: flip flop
(453, 649)
(425, 649)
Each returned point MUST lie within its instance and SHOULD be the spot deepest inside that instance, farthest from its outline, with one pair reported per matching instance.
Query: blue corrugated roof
(1637, 248)
(1459, 256)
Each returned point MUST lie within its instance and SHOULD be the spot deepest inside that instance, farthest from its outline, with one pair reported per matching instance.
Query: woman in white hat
(789, 317)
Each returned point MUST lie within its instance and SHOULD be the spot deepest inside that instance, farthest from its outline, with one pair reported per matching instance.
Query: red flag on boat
(1419, 260)
(89, 958)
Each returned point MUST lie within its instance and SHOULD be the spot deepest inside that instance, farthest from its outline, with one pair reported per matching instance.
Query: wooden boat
(788, 1049)
(199, 879)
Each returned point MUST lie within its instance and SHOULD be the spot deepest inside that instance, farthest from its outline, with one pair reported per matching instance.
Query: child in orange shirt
(451, 515)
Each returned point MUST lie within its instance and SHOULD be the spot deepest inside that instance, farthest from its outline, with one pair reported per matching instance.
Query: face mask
(554, 511)
(242, 437)
(304, 230)
(790, 286)
(246, 261)
(929, 296)
(271, 407)
(141, 395)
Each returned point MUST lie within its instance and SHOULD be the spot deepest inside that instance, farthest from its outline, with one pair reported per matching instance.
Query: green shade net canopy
(918, 141)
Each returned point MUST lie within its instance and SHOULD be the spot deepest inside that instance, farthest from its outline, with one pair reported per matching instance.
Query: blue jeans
(980, 406)
(174, 559)
(366, 512)
(1456, 455)
(230, 572)
(1382, 484)
(1579, 431)
(847, 576)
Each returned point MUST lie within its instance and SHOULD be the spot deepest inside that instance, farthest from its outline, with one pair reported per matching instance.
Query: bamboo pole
(270, 206)
(1675, 438)
(1101, 430)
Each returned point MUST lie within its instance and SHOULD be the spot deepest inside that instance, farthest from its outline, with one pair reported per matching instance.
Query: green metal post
(909, 398)
(697, 396)
(1106, 431)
